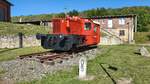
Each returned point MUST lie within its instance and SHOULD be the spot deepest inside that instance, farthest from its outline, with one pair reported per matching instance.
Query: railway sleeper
(33, 59)
(66, 58)
(58, 60)
(48, 57)
(49, 62)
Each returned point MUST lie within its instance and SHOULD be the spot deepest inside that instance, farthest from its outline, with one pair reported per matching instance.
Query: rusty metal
(48, 57)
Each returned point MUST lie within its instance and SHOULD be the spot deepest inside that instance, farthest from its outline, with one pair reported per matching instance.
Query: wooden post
(135, 21)
(20, 40)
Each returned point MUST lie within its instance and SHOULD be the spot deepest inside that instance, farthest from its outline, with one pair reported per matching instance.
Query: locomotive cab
(71, 33)
(91, 33)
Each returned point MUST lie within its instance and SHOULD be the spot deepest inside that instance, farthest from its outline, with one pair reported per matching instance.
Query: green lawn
(13, 29)
(8, 54)
(123, 57)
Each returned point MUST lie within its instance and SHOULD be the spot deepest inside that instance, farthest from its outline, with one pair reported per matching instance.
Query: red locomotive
(71, 32)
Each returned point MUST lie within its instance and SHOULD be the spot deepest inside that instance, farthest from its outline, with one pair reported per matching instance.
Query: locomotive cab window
(95, 28)
(87, 26)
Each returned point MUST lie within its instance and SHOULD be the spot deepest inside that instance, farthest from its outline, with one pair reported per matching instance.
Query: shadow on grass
(108, 74)
(8, 50)
(137, 53)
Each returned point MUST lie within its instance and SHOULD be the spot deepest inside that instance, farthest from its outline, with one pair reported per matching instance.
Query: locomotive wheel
(65, 44)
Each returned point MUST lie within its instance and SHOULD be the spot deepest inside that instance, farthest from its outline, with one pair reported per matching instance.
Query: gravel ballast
(28, 70)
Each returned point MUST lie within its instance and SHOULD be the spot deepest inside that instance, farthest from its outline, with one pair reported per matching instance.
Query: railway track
(52, 57)
(47, 57)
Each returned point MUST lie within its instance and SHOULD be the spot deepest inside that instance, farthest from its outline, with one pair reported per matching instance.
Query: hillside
(32, 17)
(142, 12)
(13, 29)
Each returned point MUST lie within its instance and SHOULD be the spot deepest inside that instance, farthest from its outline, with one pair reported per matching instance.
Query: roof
(30, 21)
(8, 2)
(112, 16)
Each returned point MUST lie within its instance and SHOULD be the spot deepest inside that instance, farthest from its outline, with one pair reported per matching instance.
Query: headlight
(60, 36)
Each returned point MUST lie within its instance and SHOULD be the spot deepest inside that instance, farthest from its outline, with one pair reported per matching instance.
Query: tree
(73, 13)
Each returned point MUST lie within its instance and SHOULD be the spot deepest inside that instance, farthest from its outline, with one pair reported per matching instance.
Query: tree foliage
(143, 13)
(73, 13)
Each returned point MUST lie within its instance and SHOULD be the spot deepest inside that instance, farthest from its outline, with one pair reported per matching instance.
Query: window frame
(121, 32)
(95, 28)
(121, 21)
(87, 29)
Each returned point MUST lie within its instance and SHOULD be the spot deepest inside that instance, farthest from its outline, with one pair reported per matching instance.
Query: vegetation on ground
(9, 54)
(14, 29)
(142, 12)
(2, 72)
(128, 63)
(33, 17)
(142, 37)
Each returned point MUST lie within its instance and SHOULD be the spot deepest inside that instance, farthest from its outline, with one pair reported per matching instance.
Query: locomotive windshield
(87, 26)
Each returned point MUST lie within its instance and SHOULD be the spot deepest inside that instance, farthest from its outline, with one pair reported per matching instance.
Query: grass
(33, 17)
(13, 29)
(142, 37)
(1, 71)
(123, 57)
(9, 54)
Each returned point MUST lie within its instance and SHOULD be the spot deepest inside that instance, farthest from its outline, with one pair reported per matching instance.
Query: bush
(142, 37)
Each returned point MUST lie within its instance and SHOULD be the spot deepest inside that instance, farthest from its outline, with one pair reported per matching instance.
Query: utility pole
(66, 10)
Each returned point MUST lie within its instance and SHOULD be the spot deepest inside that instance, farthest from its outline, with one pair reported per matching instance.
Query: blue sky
(31, 7)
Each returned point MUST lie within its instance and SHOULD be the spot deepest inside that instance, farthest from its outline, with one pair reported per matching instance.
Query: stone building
(5, 10)
(120, 26)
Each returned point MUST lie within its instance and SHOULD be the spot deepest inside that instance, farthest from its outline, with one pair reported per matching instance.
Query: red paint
(76, 26)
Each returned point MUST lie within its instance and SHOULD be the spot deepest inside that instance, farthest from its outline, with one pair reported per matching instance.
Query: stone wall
(13, 41)
(110, 40)
(29, 41)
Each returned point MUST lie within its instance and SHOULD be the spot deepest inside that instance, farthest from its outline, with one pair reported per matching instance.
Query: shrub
(142, 37)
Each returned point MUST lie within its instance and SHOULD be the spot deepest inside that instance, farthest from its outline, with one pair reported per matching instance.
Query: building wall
(110, 40)
(47, 23)
(127, 27)
(6, 10)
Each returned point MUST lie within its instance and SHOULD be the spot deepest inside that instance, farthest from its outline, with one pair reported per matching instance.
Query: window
(110, 25)
(87, 26)
(121, 21)
(95, 28)
(122, 33)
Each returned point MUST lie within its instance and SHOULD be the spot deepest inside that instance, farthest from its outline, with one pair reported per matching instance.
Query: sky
(33, 7)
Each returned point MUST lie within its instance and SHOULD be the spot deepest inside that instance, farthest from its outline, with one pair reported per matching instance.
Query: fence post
(20, 40)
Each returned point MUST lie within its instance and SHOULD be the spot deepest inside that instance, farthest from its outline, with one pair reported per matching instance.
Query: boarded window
(122, 33)
(1, 14)
(121, 21)
(110, 24)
